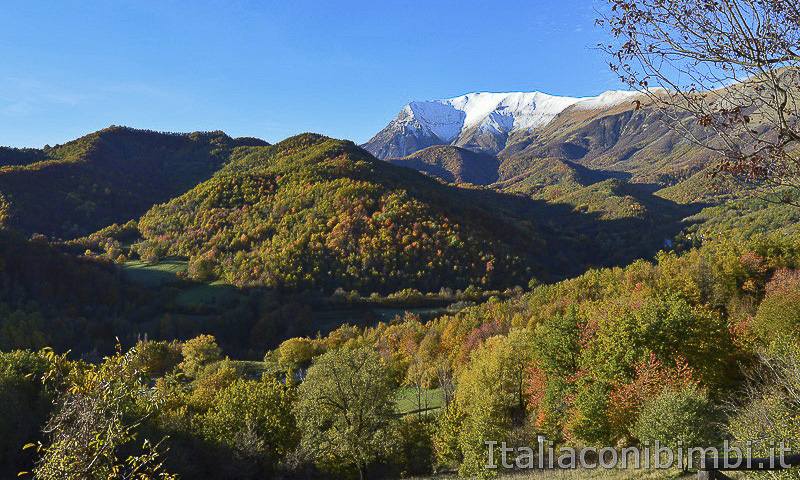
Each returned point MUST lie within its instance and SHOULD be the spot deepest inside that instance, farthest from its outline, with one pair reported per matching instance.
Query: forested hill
(48, 298)
(453, 164)
(313, 212)
(113, 175)
(322, 214)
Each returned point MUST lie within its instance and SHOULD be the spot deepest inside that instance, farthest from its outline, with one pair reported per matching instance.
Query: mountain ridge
(112, 175)
(479, 121)
(452, 164)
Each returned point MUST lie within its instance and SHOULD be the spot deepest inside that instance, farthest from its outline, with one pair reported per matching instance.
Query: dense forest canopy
(113, 175)
(305, 310)
(585, 361)
(318, 213)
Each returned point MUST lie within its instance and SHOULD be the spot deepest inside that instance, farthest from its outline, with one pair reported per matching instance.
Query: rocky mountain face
(539, 145)
(614, 156)
(481, 122)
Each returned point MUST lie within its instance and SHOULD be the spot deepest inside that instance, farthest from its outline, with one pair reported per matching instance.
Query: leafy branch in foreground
(725, 72)
(97, 410)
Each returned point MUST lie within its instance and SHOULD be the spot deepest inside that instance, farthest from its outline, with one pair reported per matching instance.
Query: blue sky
(273, 69)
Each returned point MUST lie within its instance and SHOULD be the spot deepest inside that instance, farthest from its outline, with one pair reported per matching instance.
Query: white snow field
(496, 112)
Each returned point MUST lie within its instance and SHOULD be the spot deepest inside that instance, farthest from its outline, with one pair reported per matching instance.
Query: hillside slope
(313, 212)
(624, 138)
(49, 298)
(452, 164)
(113, 175)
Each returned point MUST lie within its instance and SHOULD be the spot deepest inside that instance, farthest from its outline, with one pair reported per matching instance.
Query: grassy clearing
(200, 295)
(155, 275)
(406, 401)
(207, 295)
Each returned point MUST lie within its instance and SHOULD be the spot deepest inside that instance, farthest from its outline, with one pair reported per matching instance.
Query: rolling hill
(313, 212)
(452, 164)
(113, 175)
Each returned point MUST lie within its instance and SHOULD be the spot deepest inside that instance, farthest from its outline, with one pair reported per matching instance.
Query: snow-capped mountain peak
(482, 117)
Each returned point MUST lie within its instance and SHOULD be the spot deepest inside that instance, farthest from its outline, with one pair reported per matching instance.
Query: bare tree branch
(726, 75)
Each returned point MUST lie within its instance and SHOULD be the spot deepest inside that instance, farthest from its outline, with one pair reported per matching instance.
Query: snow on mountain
(502, 112)
(481, 121)
(607, 99)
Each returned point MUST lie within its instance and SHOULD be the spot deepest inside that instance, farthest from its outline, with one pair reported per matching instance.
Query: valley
(259, 248)
(418, 240)
(506, 286)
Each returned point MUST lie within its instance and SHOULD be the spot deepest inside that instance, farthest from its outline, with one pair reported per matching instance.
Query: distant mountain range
(313, 212)
(545, 186)
(549, 147)
(501, 190)
(482, 122)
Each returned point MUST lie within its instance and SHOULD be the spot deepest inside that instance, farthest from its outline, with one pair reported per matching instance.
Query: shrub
(680, 419)
(198, 353)
(255, 419)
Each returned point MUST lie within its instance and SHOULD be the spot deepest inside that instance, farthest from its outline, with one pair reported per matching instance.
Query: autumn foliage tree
(198, 353)
(95, 419)
(680, 419)
(651, 377)
(492, 396)
(344, 410)
(255, 419)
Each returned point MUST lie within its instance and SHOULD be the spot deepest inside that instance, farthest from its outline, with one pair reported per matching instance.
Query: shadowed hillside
(317, 212)
(113, 175)
(313, 212)
(452, 164)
